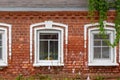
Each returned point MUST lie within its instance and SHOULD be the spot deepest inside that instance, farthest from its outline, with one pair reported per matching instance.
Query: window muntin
(48, 36)
(48, 44)
(101, 50)
(92, 29)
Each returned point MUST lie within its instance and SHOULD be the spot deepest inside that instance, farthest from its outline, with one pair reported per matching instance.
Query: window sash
(48, 40)
(48, 49)
(100, 54)
(1, 45)
(110, 33)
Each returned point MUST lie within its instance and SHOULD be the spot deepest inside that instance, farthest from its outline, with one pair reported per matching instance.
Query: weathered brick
(21, 21)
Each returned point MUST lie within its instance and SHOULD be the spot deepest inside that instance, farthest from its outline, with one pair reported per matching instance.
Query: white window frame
(50, 62)
(3, 61)
(91, 46)
(5, 30)
(101, 62)
(38, 62)
(87, 30)
(48, 25)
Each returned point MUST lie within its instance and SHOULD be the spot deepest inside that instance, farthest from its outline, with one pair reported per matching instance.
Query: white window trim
(48, 25)
(95, 24)
(59, 47)
(98, 63)
(60, 50)
(101, 62)
(48, 63)
(3, 62)
(6, 43)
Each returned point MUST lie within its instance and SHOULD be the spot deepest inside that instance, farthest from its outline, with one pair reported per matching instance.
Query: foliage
(99, 78)
(43, 77)
(59, 77)
(102, 7)
(19, 77)
(118, 78)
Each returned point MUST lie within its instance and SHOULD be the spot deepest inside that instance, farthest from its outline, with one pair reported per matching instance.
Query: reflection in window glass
(101, 49)
(48, 45)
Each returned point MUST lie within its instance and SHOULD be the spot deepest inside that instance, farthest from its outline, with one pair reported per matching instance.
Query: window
(5, 44)
(99, 53)
(3, 48)
(101, 50)
(48, 43)
(49, 46)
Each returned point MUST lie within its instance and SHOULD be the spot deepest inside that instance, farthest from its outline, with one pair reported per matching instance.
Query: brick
(76, 20)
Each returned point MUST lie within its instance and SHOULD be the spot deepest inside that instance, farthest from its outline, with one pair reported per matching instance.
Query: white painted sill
(3, 64)
(47, 64)
(103, 64)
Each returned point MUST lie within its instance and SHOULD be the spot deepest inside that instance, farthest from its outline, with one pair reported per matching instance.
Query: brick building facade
(20, 59)
(54, 36)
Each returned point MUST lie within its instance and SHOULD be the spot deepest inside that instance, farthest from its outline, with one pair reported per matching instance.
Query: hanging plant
(117, 22)
(102, 7)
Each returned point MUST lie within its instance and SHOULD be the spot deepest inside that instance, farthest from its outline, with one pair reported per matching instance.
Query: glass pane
(104, 43)
(48, 35)
(107, 36)
(97, 43)
(98, 36)
(53, 50)
(0, 53)
(0, 43)
(0, 37)
(97, 52)
(105, 52)
(43, 53)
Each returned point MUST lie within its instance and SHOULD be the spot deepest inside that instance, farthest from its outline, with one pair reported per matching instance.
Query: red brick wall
(77, 55)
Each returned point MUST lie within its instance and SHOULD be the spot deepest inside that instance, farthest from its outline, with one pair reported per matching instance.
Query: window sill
(103, 64)
(3, 64)
(47, 64)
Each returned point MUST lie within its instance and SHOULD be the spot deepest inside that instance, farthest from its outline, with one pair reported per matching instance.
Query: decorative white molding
(112, 61)
(51, 24)
(94, 24)
(47, 25)
(4, 25)
(87, 31)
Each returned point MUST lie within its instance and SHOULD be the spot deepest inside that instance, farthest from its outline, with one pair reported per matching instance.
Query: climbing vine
(102, 7)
